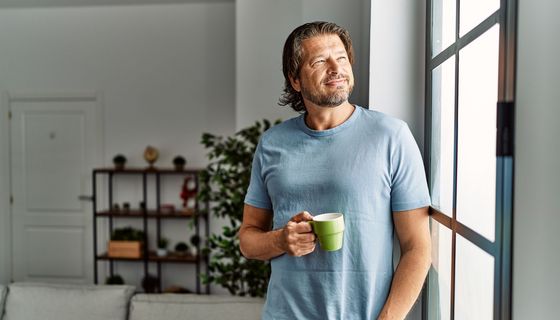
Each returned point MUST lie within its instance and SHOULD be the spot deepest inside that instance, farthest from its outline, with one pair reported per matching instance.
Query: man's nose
(334, 66)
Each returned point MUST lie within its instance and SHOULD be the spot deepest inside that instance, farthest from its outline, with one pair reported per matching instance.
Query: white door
(53, 150)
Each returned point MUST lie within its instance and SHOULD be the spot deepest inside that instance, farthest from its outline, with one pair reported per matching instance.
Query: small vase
(193, 251)
(161, 252)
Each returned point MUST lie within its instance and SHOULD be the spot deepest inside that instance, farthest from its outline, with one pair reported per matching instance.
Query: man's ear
(295, 84)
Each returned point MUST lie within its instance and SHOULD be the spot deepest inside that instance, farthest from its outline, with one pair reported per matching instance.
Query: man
(335, 157)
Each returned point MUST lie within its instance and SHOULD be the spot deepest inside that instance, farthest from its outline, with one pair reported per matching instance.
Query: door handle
(84, 197)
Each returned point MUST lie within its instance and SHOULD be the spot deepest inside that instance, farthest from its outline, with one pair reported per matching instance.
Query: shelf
(151, 214)
(151, 180)
(148, 170)
(154, 258)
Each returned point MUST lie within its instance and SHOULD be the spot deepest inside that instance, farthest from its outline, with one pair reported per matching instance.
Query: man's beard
(326, 100)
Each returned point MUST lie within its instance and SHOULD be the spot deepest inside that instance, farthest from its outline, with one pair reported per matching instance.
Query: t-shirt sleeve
(257, 194)
(409, 189)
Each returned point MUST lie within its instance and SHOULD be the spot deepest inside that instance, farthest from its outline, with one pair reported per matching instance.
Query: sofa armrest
(3, 293)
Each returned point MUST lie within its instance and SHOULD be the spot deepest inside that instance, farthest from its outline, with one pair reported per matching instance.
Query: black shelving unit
(199, 212)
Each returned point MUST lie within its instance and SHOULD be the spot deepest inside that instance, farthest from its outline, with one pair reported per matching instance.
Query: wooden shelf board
(150, 214)
(154, 258)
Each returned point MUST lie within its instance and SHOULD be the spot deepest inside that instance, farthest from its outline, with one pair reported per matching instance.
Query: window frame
(501, 247)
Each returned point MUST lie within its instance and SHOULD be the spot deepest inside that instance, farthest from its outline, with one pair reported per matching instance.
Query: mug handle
(311, 224)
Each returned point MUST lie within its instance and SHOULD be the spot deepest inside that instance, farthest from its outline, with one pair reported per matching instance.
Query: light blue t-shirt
(365, 168)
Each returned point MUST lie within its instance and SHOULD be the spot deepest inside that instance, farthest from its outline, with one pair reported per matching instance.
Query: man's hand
(297, 238)
(258, 241)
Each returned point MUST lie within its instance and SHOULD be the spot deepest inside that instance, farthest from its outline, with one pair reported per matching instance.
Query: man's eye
(318, 62)
(341, 59)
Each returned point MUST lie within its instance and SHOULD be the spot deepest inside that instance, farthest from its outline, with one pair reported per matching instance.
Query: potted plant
(181, 249)
(126, 242)
(114, 279)
(195, 241)
(162, 247)
(224, 184)
(179, 163)
(119, 161)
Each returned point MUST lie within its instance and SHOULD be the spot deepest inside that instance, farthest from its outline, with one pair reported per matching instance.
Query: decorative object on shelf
(181, 249)
(162, 247)
(119, 161)
(126, 243)
(188, 193)
(126, 207)
(114, 279)
(179, 163)
(150, 283)
(116, 207)
(151, 154)
(142, 205)
(230, 171)
(167, 208)
(195, 241)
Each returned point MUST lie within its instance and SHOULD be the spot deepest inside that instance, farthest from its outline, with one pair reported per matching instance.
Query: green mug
(329, 228)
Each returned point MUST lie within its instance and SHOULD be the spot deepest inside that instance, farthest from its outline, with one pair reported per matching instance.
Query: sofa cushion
(34, 301)
(3, 292)
(194, 307)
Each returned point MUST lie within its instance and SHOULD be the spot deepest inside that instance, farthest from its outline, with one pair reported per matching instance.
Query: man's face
(326, 77)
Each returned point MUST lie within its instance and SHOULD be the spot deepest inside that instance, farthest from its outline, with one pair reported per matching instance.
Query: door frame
(6, 100)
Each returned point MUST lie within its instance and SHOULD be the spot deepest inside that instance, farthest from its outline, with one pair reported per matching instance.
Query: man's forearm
(260, 245)
(407, 284)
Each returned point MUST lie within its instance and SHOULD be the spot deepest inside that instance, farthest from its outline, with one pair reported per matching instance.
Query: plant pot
(161, 252)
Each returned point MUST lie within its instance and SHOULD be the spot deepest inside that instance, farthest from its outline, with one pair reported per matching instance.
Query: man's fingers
(302, 216)
(303, 227)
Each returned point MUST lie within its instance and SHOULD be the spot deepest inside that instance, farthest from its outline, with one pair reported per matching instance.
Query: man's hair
(293, 54)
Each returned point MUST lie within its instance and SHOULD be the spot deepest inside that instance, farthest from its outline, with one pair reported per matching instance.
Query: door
(53, 146)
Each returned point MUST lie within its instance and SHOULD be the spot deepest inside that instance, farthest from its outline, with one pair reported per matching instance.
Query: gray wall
(166, 73)
(397, 40)
(536, 253)
(396, 86)
(262, 26)
(168, 70)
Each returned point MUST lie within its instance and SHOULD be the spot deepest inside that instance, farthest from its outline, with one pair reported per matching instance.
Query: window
(469, 90)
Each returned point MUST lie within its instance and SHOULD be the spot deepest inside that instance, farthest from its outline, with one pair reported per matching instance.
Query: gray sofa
(34, 301)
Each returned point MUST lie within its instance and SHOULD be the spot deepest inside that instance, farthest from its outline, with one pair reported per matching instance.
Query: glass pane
(443, 115)
(476, 157)
(473, 12)
(439, 279)
(474, 282)
(443, 25)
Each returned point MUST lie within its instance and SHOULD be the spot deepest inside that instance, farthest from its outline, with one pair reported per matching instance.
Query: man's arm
(258, 241)
(413, 231)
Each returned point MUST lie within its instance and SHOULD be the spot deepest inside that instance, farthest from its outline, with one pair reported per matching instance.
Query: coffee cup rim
(330, 216)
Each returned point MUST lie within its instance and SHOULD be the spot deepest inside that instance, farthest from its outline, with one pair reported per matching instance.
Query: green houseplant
(225, 181)
(126, 242)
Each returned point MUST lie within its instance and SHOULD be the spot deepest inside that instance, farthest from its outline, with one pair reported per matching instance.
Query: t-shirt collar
(331, 131)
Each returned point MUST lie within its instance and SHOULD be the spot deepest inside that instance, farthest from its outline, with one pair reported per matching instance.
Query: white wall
(536, 254)
(262, 26)
(396, 71)
(166, 72)
(397, 45)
